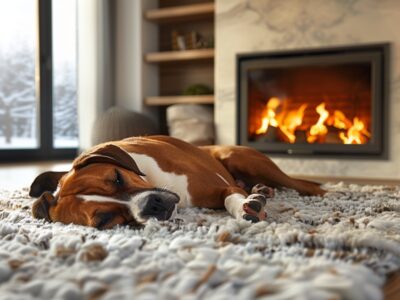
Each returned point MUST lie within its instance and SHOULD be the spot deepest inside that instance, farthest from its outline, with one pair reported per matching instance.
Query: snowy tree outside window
(18, 98)
(65, 113)
(18, 106)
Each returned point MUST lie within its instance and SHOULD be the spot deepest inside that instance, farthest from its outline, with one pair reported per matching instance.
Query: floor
(13, 176)
(18, 175)
(356, 180)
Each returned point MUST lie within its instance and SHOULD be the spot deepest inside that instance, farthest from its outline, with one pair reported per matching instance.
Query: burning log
(301, 136)
(269, 136)
(333, 136)
(319, 139)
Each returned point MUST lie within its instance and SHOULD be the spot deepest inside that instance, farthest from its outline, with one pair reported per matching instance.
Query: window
(65, 129)
(38, 102)
(18, 113)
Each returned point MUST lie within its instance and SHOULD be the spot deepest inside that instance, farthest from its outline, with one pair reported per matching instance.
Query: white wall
(112, 41)
(246, 26)
(134, 37)
(95, 89)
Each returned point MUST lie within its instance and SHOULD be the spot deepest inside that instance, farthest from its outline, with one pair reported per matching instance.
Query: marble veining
(244, 26)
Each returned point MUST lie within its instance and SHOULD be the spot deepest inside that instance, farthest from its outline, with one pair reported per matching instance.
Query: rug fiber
(340, 246)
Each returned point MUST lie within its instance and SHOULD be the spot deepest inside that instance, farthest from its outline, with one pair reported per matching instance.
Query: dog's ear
(45, 182)
(41, 207)
(108, 154)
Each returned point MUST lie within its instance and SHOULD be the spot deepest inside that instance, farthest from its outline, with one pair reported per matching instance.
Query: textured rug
(340, 246)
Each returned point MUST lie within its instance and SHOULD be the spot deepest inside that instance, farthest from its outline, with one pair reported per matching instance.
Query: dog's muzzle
(159, 204)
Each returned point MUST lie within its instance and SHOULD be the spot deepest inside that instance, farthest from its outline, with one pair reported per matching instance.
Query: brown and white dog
(129, 181)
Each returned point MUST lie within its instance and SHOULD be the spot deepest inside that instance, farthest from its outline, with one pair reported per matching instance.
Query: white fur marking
(133, 203)
(223, 179)
(161, 179)
(234, 205)
(99, 198)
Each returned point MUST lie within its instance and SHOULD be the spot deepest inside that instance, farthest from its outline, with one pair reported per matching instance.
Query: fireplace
(320, 102)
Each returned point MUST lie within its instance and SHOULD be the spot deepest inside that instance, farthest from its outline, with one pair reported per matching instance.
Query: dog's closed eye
(119, 180)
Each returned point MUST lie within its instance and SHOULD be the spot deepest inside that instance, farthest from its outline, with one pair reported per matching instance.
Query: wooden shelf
(168, 100)
(181, 13)
(178, 70)
(170, 56)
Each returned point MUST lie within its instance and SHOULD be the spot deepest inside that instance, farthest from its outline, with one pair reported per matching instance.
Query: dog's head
(104, 188)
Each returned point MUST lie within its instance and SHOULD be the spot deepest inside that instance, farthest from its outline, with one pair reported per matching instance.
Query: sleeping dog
(129, 181)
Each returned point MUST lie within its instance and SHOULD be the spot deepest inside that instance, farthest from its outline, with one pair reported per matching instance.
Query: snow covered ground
(30, 143)
(19, 143)
(339, 246)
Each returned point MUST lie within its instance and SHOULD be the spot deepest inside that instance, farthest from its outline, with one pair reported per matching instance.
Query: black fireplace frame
(377, 54)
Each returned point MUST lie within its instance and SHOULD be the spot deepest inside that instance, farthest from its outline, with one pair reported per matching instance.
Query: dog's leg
(242, 206)
(251, 167)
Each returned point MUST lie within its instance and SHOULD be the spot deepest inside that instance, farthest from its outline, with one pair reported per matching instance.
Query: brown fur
(94, 172)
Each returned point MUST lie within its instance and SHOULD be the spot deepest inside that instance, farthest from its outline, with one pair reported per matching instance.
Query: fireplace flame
(269, 115)
(356, 134)
(288, 122)
(319, 129)
(339, 120)
(292, 120)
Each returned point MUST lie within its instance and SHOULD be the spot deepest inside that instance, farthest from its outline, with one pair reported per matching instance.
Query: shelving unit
(177, 70)
(171, 56)
(181, 13)
(168, 100)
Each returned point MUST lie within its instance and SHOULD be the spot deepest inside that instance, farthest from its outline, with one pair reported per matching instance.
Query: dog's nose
(155, 204)
(160, 205)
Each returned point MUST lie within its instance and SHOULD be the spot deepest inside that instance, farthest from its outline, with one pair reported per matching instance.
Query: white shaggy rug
(340, 246)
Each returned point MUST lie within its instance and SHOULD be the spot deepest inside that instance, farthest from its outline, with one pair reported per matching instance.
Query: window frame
(44, 96)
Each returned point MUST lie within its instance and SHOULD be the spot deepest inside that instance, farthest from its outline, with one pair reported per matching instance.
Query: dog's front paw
(254, 208)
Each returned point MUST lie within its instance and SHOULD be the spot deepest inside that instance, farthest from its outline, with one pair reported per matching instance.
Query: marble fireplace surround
(245, 26)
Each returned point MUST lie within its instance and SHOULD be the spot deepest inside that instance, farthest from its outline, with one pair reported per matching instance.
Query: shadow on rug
(340, 246)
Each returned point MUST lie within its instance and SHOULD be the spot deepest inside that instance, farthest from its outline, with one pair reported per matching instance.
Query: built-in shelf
(170, 56)
(177, 71)
(181, 13)
(169, 100)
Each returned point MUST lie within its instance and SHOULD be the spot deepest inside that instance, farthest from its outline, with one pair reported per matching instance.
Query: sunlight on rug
(340, 246)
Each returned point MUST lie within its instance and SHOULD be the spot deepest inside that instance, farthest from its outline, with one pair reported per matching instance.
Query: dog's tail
(307, 187)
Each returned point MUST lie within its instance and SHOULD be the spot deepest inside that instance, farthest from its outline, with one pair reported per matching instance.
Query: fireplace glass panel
(327, 101)
(310, 104)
